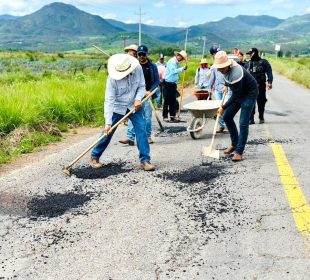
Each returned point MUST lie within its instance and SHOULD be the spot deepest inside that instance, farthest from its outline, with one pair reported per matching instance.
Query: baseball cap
(214, 49)
(142, 49)
(252, 50)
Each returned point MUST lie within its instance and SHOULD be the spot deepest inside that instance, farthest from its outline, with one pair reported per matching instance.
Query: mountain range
(62, 27)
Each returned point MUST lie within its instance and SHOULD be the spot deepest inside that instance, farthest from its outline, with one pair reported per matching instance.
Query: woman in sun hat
(124, 91)
(244, 94)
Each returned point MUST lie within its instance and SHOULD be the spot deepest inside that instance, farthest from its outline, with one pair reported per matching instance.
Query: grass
(45, 103)
(296, 69)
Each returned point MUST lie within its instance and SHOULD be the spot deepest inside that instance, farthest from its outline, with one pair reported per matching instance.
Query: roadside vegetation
(294, 68)
(42, 95)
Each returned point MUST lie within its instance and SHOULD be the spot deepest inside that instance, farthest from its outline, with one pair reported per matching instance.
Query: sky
(177, 13)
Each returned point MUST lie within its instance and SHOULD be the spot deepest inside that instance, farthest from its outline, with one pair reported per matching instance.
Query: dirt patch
(111, 169)
(55, 204)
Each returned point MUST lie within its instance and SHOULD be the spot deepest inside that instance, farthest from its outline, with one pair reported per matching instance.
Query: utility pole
(140, 14)
(204, 45)
(186, 39)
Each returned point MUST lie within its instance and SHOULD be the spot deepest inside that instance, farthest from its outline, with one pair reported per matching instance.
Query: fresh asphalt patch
(266, 141)
(110, 169)
(55, 204)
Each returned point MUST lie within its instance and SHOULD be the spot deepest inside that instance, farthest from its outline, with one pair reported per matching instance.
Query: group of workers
(133, 76)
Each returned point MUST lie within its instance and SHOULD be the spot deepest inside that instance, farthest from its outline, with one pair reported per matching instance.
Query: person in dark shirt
(151, 77)
(259, 68)
(244, 94)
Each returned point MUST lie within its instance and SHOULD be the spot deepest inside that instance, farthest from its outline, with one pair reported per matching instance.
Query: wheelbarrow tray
(203, 108)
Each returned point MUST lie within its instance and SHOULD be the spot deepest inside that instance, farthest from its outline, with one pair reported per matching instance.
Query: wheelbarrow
(201, 111)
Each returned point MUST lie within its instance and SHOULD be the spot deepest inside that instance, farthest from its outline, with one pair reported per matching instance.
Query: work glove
(138, 105)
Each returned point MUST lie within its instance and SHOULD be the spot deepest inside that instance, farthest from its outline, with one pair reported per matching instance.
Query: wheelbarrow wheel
(196, 123)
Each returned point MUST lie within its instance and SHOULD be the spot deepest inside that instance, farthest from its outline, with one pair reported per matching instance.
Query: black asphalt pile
(55, 204)
(266, 141)
(106, 171)
(195, 174)
(172, 131)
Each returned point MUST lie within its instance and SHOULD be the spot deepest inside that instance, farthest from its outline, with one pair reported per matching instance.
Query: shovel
(209, 151)
(157, 117)
(68, 169)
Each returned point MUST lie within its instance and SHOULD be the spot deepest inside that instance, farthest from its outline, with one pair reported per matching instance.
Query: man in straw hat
(124, 91)
(170, 85)
(244, 94)
(131, 50)
(202, 75)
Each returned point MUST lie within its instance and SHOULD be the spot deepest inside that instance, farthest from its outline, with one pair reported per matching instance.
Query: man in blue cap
(151, 82)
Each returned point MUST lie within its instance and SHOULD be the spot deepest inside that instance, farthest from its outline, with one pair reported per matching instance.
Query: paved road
(190, 219)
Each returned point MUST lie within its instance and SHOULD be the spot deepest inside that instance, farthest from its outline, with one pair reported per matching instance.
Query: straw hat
(183, 54)
(203, 61)
(221, 60)
(132, 47)
(121, 65)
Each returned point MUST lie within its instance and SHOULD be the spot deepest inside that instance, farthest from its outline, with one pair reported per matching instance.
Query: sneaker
(151, 141)
(95, 163)
(220, 130)
(147, 166)
(261, 120)
(127, 142)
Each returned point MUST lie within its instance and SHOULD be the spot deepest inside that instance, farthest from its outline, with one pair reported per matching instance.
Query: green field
(42, 95)
(294, 68)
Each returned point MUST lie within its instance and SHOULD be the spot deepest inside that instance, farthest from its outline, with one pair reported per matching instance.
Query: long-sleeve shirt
(202, 77)
(172, 70)
(242, 84)
(120, 95)
(216, 81)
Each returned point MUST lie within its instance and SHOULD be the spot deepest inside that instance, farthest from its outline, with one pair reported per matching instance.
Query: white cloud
(182, 24)
(129, 21)
(206, 2)
(109, 15)
(149, 21)
(160, 4)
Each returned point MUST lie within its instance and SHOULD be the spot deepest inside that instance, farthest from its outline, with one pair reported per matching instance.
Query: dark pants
(170, 102)
(246, 105)
(261, 101)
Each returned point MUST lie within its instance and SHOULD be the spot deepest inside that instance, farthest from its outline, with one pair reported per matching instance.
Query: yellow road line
(293, 191)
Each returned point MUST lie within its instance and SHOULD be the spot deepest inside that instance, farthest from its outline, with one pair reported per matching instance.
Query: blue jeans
(246, 105)
(139, 127)
(147, 114)
(219, 96)
(159, 98)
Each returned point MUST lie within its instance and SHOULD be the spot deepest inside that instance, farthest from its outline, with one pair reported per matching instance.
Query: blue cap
(214, 49)
(142, 49)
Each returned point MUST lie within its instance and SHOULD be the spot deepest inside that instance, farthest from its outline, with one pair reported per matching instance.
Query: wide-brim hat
(132, 47)
(203, 61)
(183, 54)
(221, 60)
(121, 65)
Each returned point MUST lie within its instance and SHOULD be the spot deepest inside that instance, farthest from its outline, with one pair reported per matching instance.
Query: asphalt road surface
(193, 218)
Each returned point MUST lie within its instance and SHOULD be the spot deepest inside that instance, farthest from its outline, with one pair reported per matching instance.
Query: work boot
(220, 130)
(261, 121)
(175, 119)
(151, 141)
(95, 163)
(147, 166)
(229, 150)
(236, 157)
(252, 121)
(127, 142)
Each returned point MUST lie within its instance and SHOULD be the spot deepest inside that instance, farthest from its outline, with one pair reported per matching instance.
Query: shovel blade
(210, 152)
